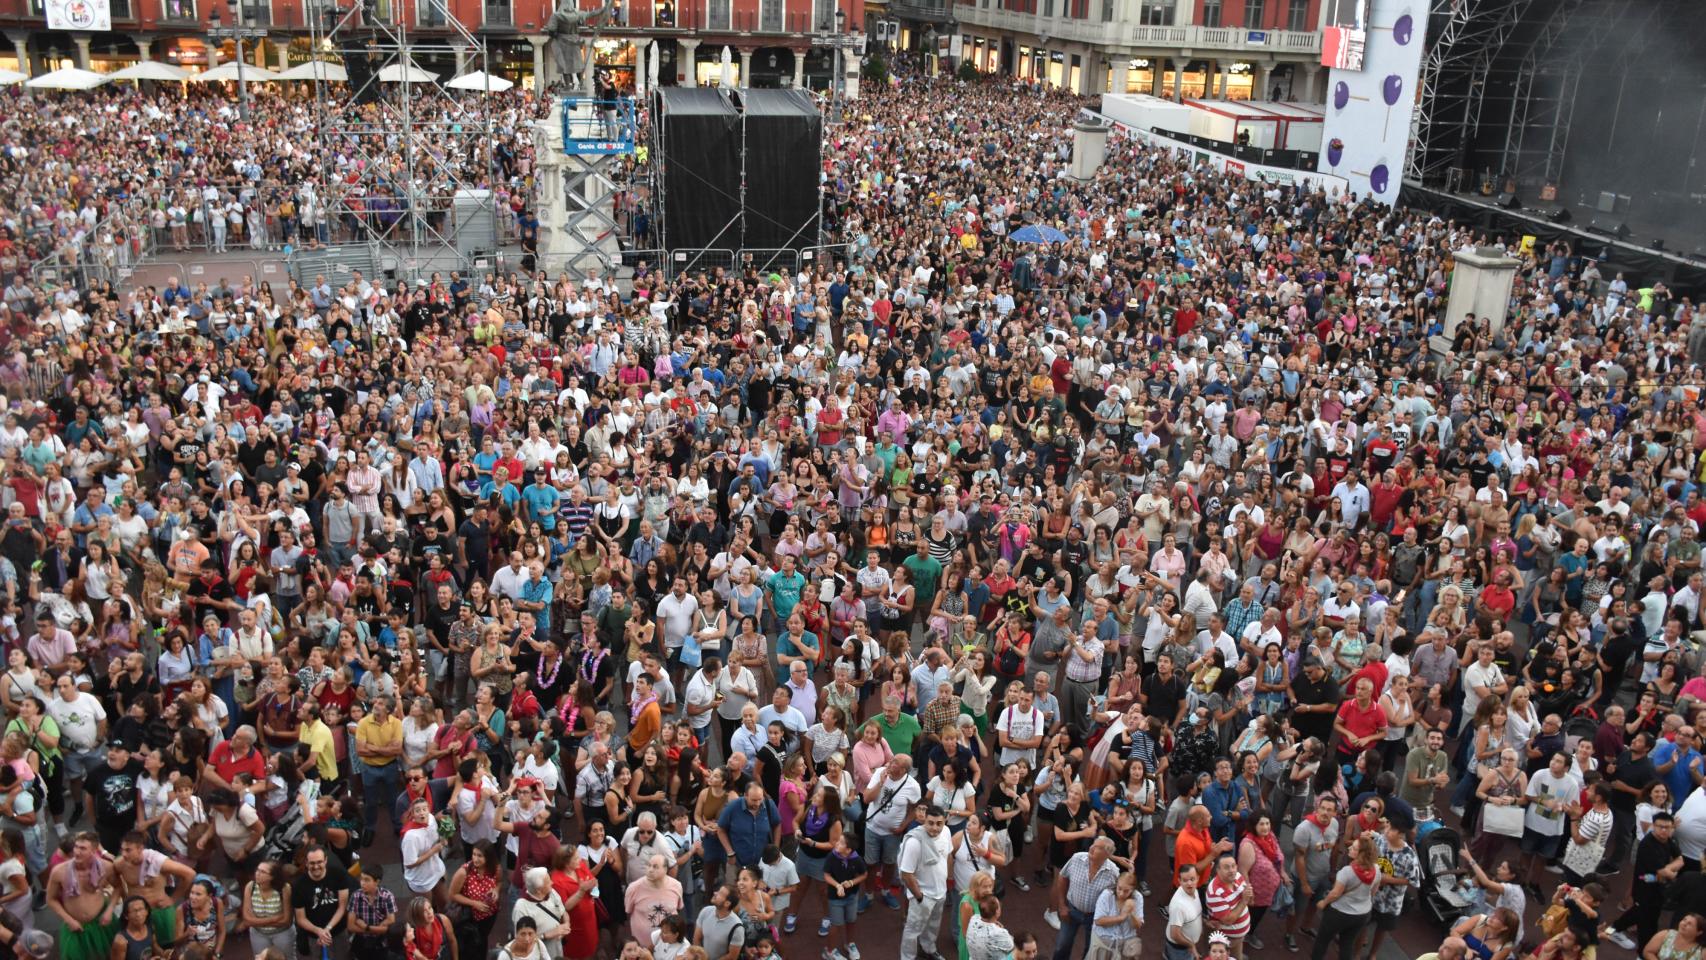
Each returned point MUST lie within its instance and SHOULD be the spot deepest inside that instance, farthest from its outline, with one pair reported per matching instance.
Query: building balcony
(923, 11)
(1197, 39)
(500, 16)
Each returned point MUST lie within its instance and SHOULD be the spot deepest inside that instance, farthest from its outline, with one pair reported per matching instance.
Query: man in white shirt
(675, 614)
(701, 701)
(82, 732)
(1020, 729)
(923, 865)
(508, 580)
(888, 797)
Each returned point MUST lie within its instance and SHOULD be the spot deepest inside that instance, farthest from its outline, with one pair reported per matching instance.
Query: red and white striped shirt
(1226, 905)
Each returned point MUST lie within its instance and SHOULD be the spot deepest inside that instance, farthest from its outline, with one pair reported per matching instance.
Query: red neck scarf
(1365, 874)
(1269, 845)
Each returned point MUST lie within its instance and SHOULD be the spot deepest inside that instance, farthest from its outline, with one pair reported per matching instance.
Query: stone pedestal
(570, 238)
(1480, 286)
(1089, 149)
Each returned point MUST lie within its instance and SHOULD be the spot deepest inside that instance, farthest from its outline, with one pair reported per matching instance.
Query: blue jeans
(1071, 923)
(379, 786)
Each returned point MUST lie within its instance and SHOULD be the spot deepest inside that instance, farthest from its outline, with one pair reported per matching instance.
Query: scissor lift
(596, 132)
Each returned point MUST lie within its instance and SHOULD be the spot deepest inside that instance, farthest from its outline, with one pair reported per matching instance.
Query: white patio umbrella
(68, 78)
(228, 71)
(405, 73)
(653, 55)
(480, 80)
(9, 77)
(151, 70)
(319, 71)
(727, 76)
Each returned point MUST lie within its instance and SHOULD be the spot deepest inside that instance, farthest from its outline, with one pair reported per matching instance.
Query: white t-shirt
(926, 858)
(906, 793)
(779, 876)
(79, 721)
(421, 877)
(700, 693)
(1019, 726)
(1543, 786)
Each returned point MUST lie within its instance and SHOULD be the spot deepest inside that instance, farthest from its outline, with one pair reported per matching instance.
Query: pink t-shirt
(647, 906)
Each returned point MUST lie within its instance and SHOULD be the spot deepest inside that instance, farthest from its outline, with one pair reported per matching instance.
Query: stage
(1681, 263)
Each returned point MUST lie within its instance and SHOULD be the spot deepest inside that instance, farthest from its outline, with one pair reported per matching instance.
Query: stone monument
(1089, 149)
(1480, 286)
(572, 31)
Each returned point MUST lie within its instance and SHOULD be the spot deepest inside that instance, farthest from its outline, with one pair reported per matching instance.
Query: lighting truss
(401, 160)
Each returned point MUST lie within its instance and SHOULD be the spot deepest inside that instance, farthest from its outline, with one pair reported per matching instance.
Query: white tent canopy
(409, 73)
(9, 77)
(228, 71)
(151, 70)
(480, 80)
(318, 70)
(69, 78)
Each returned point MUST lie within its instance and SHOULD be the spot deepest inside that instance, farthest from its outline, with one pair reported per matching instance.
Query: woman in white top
(978, 849)
(956, 798)
(1654, 800)
(419, 731)
(1522, 721)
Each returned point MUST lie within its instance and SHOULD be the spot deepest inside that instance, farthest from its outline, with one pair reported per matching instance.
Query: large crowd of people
(102, 178)
(686, 616)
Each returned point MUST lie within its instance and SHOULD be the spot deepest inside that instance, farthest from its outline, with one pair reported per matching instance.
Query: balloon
(1391, 89)
(1403, 30)
(1379, 178)
(1341, 95)
(1335, 151)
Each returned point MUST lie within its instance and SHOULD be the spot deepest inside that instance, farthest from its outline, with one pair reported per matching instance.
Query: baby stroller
(1447, 893)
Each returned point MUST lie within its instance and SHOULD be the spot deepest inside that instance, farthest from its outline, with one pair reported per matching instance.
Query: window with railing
(717, 14)
(1297, 18)
(499, 14)
(1156, 13)
(1255, 14)
(1107, 11)
(1211, 13)
(120, 9)
(179, 10)
(255, 14)
(770, 16)
(428, 13)
(823, 16)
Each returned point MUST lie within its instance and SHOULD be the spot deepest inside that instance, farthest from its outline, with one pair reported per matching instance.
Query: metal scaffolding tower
(413, 173)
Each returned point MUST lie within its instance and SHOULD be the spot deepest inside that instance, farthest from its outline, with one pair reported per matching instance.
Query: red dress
(582, 941)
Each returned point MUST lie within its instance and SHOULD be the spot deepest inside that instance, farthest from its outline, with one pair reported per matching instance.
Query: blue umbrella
(1038, 233)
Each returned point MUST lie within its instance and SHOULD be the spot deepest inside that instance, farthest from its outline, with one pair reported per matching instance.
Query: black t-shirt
(1651, 854)
(1635, 773)
(1162, 697)
(319, 898)
(113, 792)
(1619, 647)
(1306, 692)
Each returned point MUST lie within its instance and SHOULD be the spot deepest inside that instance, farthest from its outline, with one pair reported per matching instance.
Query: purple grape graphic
(1335, 151)
(1379, 178)
(1341, 95)
(1402, 30)
(1391, 89)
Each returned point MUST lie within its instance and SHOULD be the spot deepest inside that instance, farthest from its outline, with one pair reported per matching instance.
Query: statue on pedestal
(572, 30)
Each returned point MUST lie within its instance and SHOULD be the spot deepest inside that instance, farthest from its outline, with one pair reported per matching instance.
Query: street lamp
(239, 33)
